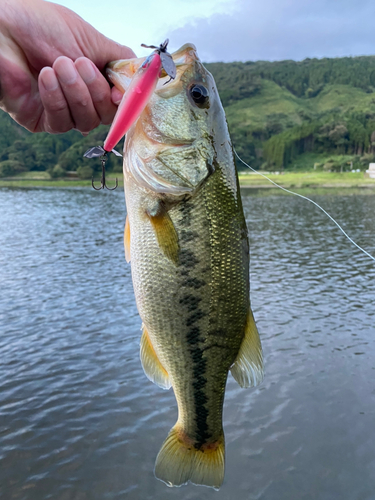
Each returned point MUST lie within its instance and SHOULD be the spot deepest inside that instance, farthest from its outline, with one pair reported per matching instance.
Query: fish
(187, 241)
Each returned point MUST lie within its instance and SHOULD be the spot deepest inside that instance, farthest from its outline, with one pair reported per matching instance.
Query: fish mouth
(157, 161)
(122, 71)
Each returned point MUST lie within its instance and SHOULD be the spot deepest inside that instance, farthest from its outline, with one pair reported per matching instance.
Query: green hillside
(282, 115)
(276, 126)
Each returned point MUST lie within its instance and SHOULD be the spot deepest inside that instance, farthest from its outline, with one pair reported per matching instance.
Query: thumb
(105, 50)
(116, 95)
(93, 45)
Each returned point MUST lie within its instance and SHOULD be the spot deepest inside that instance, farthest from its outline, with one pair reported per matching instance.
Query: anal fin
(165, 233)
(127, 240)
(152, 367)
(247, 370)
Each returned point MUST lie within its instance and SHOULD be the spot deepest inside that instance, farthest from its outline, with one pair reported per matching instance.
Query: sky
(238, 30)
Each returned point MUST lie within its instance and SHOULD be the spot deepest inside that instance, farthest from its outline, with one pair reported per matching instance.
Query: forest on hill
(281, 115)
(280, 111)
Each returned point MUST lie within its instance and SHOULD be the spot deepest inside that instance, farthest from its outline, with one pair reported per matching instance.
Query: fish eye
(199, 94)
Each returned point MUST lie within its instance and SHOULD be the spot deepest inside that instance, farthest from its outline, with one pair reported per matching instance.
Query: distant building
(371, 171)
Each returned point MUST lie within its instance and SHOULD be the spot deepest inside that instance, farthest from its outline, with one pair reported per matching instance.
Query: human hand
(50, 63)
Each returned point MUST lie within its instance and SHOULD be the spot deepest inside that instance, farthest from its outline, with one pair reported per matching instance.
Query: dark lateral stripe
(188, 258)
(185, 211)
(186, 236)
(193, 282)
(199, 370)
(190, 302)
(200, 398)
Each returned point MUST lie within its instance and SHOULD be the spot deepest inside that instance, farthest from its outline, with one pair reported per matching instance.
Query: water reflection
(79, 420)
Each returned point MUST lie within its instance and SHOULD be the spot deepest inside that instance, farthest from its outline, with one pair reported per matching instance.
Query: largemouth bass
(187, 240)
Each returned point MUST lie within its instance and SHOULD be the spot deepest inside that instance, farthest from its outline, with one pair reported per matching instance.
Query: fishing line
(311, 201)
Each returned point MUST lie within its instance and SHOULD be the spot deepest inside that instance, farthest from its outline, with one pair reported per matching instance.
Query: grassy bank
(302, 180)
(294, 180)
(43, 179)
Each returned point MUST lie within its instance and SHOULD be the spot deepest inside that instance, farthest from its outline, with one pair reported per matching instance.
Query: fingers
(99, 89)
(77, 95)
(74, 95)
(56, 117)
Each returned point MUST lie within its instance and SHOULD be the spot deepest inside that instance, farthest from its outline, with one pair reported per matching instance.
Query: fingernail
(116, 96)
(49, 79)
(66, 71)
(87, 71)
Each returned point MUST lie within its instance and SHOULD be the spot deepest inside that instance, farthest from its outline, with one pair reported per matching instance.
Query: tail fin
(179, 461)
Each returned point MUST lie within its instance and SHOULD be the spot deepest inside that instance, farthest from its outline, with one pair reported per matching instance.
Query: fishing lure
(133, 103)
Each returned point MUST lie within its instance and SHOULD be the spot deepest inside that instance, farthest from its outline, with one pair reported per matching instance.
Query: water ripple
(78, 418)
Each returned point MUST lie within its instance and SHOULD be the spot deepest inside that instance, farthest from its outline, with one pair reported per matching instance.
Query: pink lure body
(134, 100)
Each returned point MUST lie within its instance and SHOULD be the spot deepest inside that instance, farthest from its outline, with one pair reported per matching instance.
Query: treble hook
(103, 185)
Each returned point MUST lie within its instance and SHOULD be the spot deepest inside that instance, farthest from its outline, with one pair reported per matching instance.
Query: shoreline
(311, 181)
(309, 186)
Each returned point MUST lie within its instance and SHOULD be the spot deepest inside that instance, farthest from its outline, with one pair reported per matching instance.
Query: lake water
(78, 418)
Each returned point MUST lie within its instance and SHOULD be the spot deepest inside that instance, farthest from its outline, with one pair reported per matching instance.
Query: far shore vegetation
(307, 181)
(309, 124)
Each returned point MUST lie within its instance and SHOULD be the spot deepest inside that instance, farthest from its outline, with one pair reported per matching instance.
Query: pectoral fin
(152, 367)
(247, 370)
(127, 240)
(165, 233)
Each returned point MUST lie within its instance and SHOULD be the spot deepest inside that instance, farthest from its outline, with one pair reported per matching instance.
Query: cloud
(282, 29)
